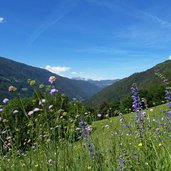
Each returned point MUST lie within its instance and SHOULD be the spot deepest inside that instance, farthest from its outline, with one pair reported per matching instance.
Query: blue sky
(97, 39)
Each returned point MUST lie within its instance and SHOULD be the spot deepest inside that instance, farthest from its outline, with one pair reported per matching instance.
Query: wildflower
(5, 100)
(1, 109)
(160, 144)
(30, 112)
(169, 104)
(50, 106)
(77, 129)
(85, 132)
(36, 109)
(121, 161)
(140, 145)
(42, 101)
(52, 91)
(137, 103)
(107, 126)
(169, 113)
(121, 119)
(151, 110)
(50, 161)
(1, 119)
(89, 167)
(88, 129)
(52, 79)
(36, 165)
(15, 111)
(12, 88)
(124, 125)
(41, 86)
(32, 82)
(99, 115)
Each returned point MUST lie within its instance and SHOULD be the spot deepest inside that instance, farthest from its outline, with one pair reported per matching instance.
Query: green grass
(114, 148)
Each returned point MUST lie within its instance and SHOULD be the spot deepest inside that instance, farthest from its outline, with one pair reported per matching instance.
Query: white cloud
(169, 57)
(57, 69)
(1, 20)
(74, 73)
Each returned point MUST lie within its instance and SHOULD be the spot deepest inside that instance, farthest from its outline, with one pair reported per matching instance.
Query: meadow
(49, 132)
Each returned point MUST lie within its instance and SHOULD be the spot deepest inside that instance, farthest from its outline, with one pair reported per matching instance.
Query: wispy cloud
(169, 57)
(1, 20)
(157, 19)
(51, 19)
(57, 69)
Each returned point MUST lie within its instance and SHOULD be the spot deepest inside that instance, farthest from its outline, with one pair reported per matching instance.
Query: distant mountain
(103, 83)
(15, 73)
(121, 89)
(100, 83)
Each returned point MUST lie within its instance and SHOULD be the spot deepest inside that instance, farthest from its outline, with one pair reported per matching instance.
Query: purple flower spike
(169, 105)
(169, 113)
(1, 119)
(121, 161)
(5, 100)
(1, 109)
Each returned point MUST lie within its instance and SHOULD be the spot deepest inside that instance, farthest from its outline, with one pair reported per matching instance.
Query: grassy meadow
(49, 132)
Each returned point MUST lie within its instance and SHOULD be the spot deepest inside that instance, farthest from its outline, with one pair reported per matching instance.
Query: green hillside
(145, 80)
(16, 74)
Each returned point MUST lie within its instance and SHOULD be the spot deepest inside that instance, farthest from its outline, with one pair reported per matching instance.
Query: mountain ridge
(16, 73)
(121, 89)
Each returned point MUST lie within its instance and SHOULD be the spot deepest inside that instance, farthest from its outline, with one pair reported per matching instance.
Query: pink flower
(12, 88)
(52, 79)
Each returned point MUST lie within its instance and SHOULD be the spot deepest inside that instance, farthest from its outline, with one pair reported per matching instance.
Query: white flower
(99, 115)
(30, 112)
(36, 109)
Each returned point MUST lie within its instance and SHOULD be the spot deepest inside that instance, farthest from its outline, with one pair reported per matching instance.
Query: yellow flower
(36, 165)
(89, 167)
(140, 145)
(160, 144)
(32, 82)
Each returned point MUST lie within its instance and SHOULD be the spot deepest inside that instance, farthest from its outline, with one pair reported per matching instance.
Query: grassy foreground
(119, 143)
